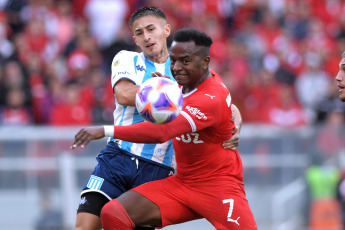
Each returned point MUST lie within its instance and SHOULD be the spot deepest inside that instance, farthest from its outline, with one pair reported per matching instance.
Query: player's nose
(146, 36)
(339, 76)
(177, 66)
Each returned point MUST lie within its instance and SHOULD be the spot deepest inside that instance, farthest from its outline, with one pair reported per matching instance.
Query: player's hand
(158, 74)
(85, 135)
(233, 142)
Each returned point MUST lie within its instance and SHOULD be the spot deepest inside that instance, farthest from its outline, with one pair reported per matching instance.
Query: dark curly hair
(189, 34)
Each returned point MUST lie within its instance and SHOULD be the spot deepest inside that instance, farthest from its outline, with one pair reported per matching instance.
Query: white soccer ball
(159, 100)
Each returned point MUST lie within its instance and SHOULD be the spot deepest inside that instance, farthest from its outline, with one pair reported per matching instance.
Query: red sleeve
(146, 132)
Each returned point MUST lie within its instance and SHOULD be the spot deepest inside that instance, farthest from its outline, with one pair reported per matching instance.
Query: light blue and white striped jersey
(137, 68)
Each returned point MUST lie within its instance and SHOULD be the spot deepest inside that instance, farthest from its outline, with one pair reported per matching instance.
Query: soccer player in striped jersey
(209, 178)
(123, 165)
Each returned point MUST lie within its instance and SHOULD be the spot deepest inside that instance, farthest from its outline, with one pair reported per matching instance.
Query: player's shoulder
(124, 57)
(216, 84)
(213, 90)
(126, 54)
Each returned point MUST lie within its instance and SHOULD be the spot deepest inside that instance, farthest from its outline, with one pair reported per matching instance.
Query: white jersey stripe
(190, 120)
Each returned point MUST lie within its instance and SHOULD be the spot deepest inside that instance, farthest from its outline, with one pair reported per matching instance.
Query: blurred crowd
(278, 57)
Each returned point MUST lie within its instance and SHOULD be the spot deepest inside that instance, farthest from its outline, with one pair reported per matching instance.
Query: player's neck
(206, 75)
(160, 57)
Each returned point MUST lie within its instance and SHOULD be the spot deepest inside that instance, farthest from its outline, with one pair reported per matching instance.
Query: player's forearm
(125, 92)
(236, 116)
(143, 132)
(146, 132)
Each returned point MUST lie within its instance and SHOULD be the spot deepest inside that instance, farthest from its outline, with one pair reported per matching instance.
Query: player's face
(187, 66)
(340, 78)
(150, 34)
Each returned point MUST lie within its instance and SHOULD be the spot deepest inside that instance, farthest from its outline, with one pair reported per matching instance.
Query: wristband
(108, 130)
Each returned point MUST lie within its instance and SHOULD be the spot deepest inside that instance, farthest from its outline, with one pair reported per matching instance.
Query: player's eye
(150, 29)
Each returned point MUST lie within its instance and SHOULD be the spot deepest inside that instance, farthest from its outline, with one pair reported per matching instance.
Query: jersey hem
(142, 158)
(126, 78)
(94, 190)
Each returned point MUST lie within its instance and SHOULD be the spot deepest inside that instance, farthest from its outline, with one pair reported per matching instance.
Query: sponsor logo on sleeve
(196, 112)
(140, 68)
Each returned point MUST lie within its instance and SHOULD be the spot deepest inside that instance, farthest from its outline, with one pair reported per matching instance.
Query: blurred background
(278, 58)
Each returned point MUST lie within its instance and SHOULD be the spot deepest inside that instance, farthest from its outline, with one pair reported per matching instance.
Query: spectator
(295, 41)
(312, 85)
(15, 112)
(286, 112)
(71, 110)
(106, 18)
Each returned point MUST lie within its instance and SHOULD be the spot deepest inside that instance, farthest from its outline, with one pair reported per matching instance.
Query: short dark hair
(189, 34)
(147, 11)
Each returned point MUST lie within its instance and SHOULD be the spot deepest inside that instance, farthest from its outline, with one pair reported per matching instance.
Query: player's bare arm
(125, 92)
(234, 141)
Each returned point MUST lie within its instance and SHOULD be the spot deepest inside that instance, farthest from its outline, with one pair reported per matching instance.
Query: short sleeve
(122, 67)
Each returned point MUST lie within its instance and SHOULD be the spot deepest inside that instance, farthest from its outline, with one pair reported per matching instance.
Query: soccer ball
(159, 100)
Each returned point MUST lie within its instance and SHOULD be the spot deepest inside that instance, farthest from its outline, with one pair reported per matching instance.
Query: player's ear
(167, 30)
(205, 62)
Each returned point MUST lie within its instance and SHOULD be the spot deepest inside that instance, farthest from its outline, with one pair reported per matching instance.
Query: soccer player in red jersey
(209, 178)
(340, 78)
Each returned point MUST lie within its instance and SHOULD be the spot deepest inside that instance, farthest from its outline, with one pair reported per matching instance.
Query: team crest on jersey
(160, 151)
(196, 112)
(116, 63)
(95, 182)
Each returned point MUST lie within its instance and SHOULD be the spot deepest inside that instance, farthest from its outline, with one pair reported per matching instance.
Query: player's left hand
(158, 74)
(233, 142)
(85, 135)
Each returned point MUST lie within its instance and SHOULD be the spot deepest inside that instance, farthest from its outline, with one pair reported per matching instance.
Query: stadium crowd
(278, 58)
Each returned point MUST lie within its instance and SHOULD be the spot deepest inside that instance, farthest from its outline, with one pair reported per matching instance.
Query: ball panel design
(159, 100)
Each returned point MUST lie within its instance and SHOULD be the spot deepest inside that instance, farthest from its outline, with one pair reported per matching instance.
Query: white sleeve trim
(94, 190)
(108, 130)
(190, 120)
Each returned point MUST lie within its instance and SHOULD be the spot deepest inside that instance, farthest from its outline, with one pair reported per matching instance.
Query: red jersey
(204, 123)
(209, 179)
(200, 154)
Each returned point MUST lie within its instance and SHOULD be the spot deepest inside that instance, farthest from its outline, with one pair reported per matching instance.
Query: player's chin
(180, 81)
(179, 77)
(342, 95)
(342, 98)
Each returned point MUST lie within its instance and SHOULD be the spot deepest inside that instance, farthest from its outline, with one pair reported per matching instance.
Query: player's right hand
(85, 135)
(234, 141)
(158, 74)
